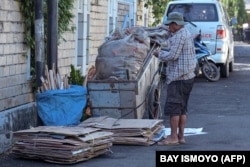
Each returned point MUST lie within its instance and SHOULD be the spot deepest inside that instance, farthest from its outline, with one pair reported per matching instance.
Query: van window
(198, 12)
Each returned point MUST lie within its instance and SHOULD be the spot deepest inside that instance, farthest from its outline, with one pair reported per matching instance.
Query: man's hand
(156, 53)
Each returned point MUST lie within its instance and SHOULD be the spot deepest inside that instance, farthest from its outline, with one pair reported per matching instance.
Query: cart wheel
(154, 108)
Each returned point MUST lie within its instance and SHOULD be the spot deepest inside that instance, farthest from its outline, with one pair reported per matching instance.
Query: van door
(229, 33)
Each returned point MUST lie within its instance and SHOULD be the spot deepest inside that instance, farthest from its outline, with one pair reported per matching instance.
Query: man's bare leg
(174, 124)
(182, 124)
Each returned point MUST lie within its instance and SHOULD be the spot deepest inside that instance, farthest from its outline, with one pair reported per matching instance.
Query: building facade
(94, 20)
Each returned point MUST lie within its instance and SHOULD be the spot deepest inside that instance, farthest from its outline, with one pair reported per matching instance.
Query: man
(181, 62)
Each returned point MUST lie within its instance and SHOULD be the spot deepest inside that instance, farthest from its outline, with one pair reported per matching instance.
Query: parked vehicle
(208, 68)
(246, 32)
(210, 17)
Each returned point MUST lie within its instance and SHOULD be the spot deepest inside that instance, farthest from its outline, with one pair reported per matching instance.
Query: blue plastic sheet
(62, 107)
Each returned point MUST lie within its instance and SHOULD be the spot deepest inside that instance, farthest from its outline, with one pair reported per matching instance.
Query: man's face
(173, 27)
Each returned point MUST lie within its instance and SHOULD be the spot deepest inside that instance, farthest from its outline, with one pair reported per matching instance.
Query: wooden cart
(125, 99)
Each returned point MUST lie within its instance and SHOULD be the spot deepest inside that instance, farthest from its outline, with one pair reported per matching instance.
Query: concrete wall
(22, 117)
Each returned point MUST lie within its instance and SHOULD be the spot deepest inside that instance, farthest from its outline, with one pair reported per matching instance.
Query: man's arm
(176, 43)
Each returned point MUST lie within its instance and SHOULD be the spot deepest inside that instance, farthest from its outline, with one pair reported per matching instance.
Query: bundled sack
(62, 107)
(122, 58)
(158, 34)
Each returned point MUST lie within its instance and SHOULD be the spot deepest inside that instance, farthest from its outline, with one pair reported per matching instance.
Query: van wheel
(231, 66)
(224, 70)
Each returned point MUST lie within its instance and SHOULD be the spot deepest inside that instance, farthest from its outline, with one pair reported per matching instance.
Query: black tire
(197, 70)
(154, 108)
(231, 66)
(224, 70)
(211, 72)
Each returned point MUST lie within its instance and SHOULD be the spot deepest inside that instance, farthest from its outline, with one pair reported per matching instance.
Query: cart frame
(126, 98)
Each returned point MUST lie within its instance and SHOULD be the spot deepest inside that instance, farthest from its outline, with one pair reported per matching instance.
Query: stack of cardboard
(63, 145)
(127, 131)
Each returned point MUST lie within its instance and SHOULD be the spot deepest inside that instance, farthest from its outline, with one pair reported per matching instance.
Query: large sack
(122, 58)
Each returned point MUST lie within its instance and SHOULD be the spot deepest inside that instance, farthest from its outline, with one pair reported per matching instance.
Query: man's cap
(175, 17)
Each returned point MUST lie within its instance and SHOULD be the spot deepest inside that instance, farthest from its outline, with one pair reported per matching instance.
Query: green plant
(29, 17)
(75, 77)
(65, 17)
(158, 9)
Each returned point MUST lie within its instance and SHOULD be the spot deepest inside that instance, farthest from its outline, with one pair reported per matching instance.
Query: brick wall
(139, 13)
(17, 101)
(123, 9)
(16, 108)
(98, 27)
(66, 53)
(98, 24)
(15, 88)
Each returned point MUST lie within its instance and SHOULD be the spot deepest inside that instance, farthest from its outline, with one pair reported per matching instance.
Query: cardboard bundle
(127, 131)
(62, 145)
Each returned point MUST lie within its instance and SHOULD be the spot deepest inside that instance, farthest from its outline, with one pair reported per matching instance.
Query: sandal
(182, 141)
(166, 142)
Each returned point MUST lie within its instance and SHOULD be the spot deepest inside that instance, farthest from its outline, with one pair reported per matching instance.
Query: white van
(209, 17)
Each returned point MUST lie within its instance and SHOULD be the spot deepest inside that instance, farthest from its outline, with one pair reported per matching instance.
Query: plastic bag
(62, 107)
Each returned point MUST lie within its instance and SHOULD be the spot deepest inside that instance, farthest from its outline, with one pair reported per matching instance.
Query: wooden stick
(57, 86)
(61, 85)
(47, 83)
(66, 84)
(58, 79)
(44, 83)
(52, 81)
(86, 79)
(42, 89)
(47, 76)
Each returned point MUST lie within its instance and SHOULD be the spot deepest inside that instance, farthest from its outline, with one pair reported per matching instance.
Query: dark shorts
(178, 93)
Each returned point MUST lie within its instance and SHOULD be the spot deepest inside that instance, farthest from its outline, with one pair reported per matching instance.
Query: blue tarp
(62, 107)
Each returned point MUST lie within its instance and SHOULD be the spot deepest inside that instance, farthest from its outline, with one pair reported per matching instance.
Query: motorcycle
(209, 69)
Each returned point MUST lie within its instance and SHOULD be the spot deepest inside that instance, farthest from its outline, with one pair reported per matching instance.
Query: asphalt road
(221, 108)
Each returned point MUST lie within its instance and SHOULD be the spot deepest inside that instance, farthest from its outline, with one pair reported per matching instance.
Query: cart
(131, 99)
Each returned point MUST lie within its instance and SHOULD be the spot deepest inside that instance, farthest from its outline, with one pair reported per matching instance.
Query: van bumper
(218, 58)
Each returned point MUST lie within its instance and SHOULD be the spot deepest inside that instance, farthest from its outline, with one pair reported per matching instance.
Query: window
(82, 45)
(196, 12)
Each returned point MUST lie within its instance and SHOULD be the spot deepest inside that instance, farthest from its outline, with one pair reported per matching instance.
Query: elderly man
(181, 62)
